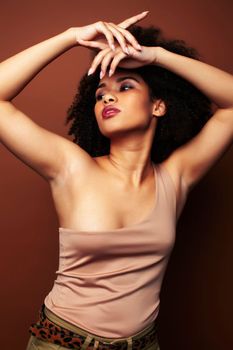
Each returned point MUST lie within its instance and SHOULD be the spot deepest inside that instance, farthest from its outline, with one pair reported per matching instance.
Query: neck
(133, 174)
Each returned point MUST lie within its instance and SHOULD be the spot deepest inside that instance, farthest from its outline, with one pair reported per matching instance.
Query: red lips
(109, 112)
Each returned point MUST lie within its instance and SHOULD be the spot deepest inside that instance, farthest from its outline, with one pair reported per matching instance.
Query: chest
(103, 204)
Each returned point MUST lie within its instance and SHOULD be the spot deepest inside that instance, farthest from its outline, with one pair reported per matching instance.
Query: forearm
(216, 84)
(17, 71)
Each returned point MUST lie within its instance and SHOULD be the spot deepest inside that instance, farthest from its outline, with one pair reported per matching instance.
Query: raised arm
(212, 81)
(17, 71)
(42, 150)
(37, 147)
(196, 157)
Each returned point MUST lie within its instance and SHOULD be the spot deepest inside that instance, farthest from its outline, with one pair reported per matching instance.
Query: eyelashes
(100, 95)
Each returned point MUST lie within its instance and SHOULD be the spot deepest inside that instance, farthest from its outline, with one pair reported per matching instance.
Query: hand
(135, 59)
(101, 35)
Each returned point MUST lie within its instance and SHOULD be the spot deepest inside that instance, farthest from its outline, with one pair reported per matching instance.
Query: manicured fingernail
(101, 74)
(145, 12)
(126, 49)
(139, 47)
(91, 70)
(110, 72)
(113, 47)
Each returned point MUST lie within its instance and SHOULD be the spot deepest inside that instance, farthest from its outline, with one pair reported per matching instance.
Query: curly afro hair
(187, 108)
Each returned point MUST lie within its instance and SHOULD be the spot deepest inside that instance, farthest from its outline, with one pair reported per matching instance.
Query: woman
(117, 209)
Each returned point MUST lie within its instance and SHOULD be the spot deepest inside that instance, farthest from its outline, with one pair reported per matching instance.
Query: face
(126, 91)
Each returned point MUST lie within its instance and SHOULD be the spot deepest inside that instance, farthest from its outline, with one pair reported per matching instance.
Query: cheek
(141, 105)
(96, 110)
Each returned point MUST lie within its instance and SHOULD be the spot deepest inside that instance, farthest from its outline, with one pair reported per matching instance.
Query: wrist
(71, 35)
(159, 53)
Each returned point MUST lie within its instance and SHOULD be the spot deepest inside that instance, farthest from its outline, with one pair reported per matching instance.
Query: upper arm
(193, 159)
(45, 152)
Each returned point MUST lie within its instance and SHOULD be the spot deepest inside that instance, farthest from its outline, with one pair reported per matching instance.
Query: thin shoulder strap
(169, 186)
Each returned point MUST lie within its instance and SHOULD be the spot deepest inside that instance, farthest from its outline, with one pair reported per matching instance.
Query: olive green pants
(37, 344)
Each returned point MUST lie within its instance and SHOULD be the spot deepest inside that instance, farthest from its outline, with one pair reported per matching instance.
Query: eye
(122, 87)
(98, 97)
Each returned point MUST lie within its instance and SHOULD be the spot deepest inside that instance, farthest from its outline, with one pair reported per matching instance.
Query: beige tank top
(108, 282)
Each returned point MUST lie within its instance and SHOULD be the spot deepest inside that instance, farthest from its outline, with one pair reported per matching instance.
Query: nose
(109, 98)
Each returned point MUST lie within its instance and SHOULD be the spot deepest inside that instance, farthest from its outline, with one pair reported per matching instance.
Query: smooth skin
(85, 189)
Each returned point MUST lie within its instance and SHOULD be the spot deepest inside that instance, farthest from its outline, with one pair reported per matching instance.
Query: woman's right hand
(101, 35)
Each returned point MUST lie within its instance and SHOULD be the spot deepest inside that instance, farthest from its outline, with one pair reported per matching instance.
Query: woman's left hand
(134, 59)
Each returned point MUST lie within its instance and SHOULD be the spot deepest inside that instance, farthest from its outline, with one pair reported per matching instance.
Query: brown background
(196, 297)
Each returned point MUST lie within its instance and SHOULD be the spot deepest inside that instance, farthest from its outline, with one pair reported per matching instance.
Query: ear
(159, 108)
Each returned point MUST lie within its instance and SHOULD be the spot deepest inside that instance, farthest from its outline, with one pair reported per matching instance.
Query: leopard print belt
(51, 332)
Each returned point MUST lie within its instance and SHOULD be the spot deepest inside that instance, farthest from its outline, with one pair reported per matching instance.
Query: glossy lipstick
(109, 112)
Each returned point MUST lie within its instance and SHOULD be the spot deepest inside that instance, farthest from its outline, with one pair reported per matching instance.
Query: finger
(93, 44)
(132, 20)
(115, 62)
(105, 63)
(102, 28)
(128, 36)
(97, 60)
(119, 37)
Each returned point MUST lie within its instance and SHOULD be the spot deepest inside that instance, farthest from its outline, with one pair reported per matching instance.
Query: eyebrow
(119, 80)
